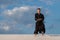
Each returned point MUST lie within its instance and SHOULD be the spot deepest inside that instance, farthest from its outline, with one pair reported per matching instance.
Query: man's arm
(41, 19)
(35, 17)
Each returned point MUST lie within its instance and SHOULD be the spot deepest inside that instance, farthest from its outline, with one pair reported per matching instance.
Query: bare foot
(35, 35)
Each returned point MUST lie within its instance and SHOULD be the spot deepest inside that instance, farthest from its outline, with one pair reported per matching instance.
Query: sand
(28, 37)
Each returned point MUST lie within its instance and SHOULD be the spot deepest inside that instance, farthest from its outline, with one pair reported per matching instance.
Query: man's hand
(39, 19)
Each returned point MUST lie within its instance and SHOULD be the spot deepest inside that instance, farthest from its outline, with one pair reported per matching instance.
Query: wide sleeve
(35, 17)
(42, 17)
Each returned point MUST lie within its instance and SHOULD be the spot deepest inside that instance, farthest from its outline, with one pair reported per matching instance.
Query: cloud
(16, 10)
(48, 2)
(13, 2)
(6, 28)
(47, 11)
(2, 6)
(9, 27)
(9, 1)
(29, 25)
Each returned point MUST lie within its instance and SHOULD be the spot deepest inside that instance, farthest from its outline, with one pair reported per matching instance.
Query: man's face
(38, 11)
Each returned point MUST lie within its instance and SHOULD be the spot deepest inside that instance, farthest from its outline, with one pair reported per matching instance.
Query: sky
(17, 16)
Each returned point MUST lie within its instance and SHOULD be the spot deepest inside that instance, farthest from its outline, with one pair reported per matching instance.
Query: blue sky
(17, 16)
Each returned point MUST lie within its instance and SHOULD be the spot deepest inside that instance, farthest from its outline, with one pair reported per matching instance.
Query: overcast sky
(17, 16)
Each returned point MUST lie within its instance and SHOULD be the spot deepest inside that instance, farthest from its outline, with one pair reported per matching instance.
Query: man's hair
(38, 9)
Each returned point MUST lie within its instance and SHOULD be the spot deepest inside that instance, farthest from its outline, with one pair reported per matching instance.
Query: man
(39, 18)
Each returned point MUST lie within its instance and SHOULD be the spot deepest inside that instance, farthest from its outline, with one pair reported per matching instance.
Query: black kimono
(40, 27)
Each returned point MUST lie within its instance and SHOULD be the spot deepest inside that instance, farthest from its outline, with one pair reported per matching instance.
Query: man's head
(38, 10)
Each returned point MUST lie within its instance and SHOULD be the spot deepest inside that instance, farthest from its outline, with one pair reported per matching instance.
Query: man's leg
(42, 29)
(36, 29)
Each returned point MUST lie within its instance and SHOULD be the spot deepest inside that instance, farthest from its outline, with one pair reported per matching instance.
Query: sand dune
(28, 37)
